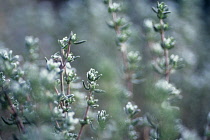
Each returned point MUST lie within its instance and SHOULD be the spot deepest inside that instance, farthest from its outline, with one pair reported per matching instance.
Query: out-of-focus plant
(49, 104)
(39, 100)
(131, 110)
(130, 61)
(187, 134)
(162, 124)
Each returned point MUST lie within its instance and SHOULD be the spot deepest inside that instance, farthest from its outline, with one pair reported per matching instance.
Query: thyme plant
(162, 127)
(52, 102)
(41, 101)
(130, 60)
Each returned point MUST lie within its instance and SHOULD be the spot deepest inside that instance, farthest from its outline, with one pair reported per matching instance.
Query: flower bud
(115, 7)
(51, 65)
(31, 41)
(122, 38)
(92, 75)
(148, 24)
(92, 101)
(87, 120)
(70, 76)
(168, 43)
(176, 62)
(120, 22)
(73, 37)
(102, 118)
(64, 42)
(131, 110)
(162, 10)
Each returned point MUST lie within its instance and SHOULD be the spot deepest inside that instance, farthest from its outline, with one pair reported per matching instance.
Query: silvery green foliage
(130, 61)
(150, 121)
(92, 75)
(102, 118)
(32, 47)
(10, 64)
(72, 39)
(176, 62)
(187, 134)
(167, 87)
(65, 124)
(132, 110)
(67, 119)
(32, 95)
(134, 61)
(149, 29)
(88, 119)
(165, 94)
(64, 42)
(168, 43)
(53, 66)
(61, 64)
(165, 64)
(42, 132)
(161, 10)
(115, 7)
(21, 90)
(71, 78)
(29, 92)
(70, 75)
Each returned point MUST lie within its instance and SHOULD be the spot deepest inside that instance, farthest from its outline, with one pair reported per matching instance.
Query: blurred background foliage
(50, 20)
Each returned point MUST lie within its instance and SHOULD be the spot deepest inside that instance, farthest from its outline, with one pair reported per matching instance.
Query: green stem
(84, 118)
(63, 66)
(19, 122)
(56, 90)
(62, 71)
(127, 74)
(166, 53)
(68, 89)
(68, 52)
(62, 83)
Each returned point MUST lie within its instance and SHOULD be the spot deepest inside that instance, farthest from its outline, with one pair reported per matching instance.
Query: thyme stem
(84, 118)
(15, 114)
(166, 53)
(123, 46)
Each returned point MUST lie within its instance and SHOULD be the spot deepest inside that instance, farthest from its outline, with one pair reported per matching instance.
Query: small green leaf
(125, 27)
(6, 122)
(80, 42)
(106, 1)
(110, 24)
(166, 12)
(154, 9)
(99, 91)
(86, 87)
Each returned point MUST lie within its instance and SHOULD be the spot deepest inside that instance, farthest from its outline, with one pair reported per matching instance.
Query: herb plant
(53, 102)
(163, 122)
(130, 63)
(40, 100)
